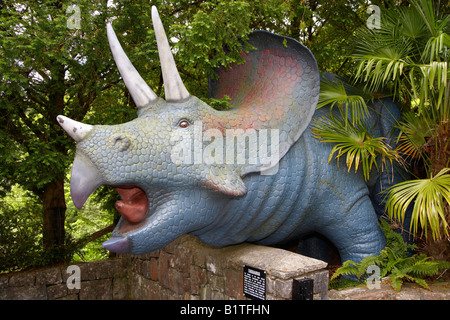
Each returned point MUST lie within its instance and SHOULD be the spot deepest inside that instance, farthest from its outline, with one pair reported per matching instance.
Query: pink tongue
(133, 205)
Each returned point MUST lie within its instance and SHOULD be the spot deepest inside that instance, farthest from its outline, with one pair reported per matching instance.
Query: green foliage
(219, 104)
(21, 240)
(348, 130)
(213, 26)
(20, 232)
(356, 142)
(396, 262)
(427, 196)
(408, 54)
(408, 59)
(327, 28)
(98, 213)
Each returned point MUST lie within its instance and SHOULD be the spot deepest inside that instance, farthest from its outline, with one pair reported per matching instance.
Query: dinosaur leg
(356, 232)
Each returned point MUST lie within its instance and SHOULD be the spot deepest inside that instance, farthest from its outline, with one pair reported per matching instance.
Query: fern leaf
(424, 267)
(422, 283)
(365, 263)
(348, 268)
(397, 280)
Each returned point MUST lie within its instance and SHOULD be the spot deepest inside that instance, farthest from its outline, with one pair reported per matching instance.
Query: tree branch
(95, 235)
(30, 126)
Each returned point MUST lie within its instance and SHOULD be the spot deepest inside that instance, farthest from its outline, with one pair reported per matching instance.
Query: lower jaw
(124, 227)
(117, 245)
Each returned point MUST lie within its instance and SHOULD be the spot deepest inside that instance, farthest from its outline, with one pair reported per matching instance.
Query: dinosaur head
(181, 143)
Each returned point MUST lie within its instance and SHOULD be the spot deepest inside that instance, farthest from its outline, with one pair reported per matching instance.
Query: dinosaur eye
(183, 123)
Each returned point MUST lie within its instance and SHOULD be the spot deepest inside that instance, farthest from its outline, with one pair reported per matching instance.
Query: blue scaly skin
(307, 194)
(225, 202)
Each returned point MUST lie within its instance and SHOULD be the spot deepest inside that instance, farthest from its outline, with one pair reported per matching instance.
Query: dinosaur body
(281, 189)
(306, 195)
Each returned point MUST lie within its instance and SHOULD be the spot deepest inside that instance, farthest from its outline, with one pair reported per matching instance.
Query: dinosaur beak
(85, 179)
(85, 176)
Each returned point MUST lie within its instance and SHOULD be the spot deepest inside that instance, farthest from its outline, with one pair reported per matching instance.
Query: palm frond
(409, 54)
(428, 197)
(384, 64)
(429, 85)
(436, 46)
(350, 99)
(426, 9)
(414, 131)
(356, 142)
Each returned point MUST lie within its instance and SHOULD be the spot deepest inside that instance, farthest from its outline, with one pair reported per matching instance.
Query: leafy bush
(406, 58)
(21, 224)
(396, 261)
(20, 234)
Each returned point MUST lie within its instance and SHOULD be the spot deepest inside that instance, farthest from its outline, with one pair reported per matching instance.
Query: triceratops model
(253, 173)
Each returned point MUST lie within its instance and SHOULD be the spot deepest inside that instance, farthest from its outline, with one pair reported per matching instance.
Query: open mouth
(132, 206)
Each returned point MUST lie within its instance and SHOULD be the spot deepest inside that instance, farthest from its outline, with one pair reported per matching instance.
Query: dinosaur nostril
(121, 142)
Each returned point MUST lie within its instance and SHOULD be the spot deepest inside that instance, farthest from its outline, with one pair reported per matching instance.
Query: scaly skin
(307, 194)
(213, 196)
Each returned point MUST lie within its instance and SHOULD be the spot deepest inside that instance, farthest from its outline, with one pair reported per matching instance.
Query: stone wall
(190, 269)
(100, 280)
(185, 269)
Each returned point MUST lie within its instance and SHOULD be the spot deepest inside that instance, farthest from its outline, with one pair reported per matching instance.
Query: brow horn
(173, 85)
(141, 93)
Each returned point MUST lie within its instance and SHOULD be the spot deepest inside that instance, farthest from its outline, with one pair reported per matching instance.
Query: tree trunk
(54, 206)
(294, 29)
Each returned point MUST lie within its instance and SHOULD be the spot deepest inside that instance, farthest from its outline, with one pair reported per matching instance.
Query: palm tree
(408, 58)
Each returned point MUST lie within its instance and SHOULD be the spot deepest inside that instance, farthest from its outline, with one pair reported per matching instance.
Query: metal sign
(254, 283)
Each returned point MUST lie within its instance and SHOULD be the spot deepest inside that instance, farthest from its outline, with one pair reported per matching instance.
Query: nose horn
(75, 129)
